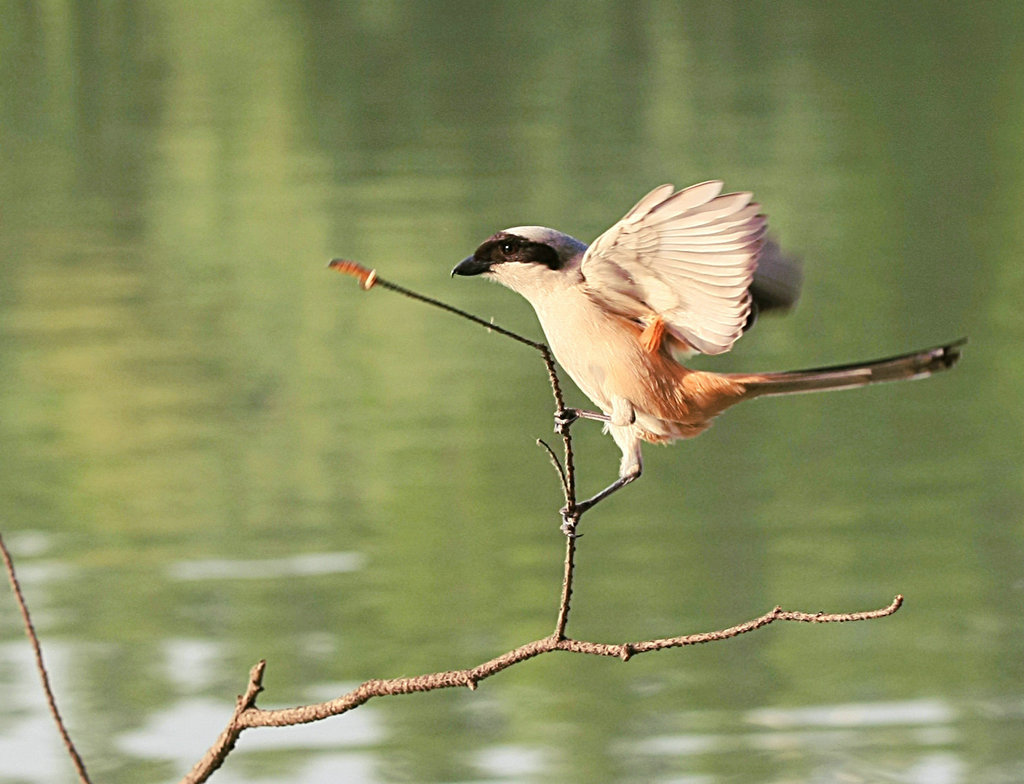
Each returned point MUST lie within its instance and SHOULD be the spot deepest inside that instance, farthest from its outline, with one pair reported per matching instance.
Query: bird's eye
(506, 248)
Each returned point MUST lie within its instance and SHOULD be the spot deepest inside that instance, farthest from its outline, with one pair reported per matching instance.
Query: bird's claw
(568, 527)
(571, 517)
(564, 418)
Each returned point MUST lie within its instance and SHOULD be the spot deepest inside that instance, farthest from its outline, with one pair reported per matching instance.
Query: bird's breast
(603, 354)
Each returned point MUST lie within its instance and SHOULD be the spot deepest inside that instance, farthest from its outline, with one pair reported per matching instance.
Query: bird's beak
(471, 266)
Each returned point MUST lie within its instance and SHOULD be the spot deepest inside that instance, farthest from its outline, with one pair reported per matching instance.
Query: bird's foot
(564, 419)
(571, 516)
(569, 522)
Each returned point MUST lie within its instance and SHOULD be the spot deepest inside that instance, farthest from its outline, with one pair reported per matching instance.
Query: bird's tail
(917, 364)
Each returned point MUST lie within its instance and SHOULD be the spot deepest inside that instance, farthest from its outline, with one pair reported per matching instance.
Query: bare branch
(251, 716)
(30, 632)
(567, 576)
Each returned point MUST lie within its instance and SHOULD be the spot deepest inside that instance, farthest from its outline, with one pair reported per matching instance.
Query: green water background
(215, 451)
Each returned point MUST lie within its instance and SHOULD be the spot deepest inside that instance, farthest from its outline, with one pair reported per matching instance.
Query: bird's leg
(622, 414)
(618, 484)
(630, 468)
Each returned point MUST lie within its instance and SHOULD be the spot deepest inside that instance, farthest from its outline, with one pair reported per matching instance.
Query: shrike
(683, 272)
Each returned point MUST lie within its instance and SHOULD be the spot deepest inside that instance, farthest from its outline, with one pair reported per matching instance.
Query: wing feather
(648, 202)
(658, 200)
(686, 256)
(720, 207)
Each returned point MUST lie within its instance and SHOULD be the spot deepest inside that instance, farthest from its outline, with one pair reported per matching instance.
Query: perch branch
(246, 713)
(30, 632)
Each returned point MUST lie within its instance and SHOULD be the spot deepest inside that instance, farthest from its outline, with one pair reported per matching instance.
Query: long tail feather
(917, 364)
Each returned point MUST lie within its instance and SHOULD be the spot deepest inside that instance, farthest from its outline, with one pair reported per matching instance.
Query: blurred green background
(214, 450)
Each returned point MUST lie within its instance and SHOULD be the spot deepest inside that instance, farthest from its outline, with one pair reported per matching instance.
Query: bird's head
(527, 259)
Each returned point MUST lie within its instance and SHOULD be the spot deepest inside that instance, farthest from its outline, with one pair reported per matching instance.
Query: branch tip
(256, 673)
(366, 277)
(558, 468)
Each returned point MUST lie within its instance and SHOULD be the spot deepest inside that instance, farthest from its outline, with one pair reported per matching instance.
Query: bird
(684, 272)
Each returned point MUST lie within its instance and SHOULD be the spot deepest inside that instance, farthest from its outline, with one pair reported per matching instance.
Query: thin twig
(369, 278)
(571, 514)
(558, 466)
(30, 632)
(565, 598)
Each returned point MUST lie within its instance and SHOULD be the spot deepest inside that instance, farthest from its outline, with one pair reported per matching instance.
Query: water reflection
(171, 734)
(30, 749)
(830, 740)
(266, 568)
(861, 715)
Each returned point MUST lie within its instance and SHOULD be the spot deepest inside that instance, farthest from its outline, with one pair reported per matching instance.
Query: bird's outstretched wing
(684, 259)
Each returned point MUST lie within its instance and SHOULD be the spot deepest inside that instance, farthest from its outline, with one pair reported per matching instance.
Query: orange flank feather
(678, 402)
(696, 399)
(652, 335)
